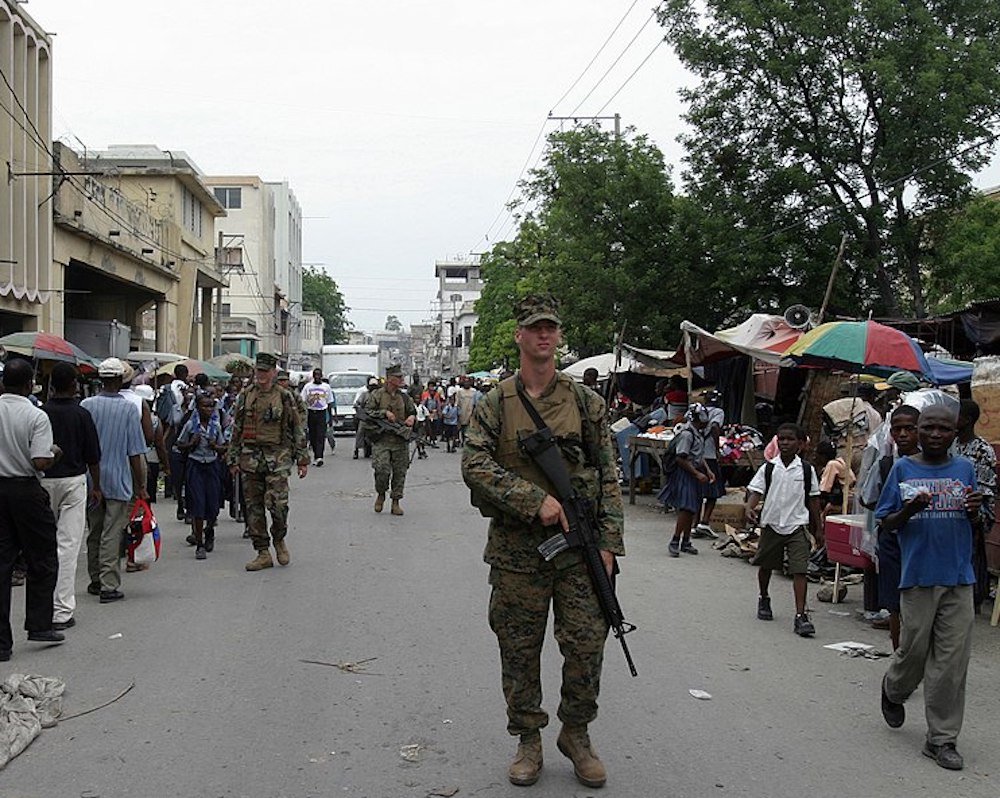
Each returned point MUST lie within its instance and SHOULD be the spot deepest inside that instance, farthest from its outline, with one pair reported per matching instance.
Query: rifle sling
(530, 408)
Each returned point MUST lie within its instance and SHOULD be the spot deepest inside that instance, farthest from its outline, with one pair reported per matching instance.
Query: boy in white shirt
(790, 508)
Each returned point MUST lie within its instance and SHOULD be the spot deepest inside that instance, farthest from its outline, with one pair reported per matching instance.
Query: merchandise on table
(737, 439)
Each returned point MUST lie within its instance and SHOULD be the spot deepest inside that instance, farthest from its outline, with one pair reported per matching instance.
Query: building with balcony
(459, 286)
(133, 250)
(261, 237)
(25, 191)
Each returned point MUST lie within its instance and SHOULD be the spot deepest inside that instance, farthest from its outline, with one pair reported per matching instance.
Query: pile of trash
(739, 544)
(28, 704)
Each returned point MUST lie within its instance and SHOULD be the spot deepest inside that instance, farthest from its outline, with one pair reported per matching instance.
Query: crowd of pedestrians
(78, 466)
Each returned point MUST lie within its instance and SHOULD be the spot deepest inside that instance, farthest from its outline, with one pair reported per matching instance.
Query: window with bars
(191, 212)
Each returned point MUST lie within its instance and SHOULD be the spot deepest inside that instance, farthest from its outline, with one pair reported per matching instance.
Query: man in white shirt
(26, 521)
(790, 491)
(319, 399)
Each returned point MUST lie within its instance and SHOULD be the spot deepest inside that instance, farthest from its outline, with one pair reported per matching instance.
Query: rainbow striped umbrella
(860, 347)
(45, 346)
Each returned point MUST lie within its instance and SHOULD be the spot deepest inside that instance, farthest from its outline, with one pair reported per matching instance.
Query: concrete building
(311, 327)
(359, 337)
(25, 199)
(288, 270)
(134, 256)
(459, 286)
(422, 342)
(261, 241)
(393, 348)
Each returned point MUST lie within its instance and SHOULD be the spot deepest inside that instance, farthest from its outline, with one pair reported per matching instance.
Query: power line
(596, 56)
(510, 195)
(505, 208)
(629, 78)
(40, 141)
(614, 63)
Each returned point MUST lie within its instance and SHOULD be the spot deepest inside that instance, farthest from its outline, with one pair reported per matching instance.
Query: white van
(345, 386)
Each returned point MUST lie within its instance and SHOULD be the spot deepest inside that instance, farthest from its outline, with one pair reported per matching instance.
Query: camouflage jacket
(378, 403)
(246, 450)
(515, 530)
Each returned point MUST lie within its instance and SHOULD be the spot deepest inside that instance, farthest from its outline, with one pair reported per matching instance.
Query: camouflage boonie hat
(265, 360)
(535, 308)
(282, 375)
(395, 370)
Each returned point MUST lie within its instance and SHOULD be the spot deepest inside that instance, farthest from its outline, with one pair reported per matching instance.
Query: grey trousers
(106, 535)
(935, 644)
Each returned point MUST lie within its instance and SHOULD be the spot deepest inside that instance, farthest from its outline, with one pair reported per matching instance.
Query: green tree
(320, 294)
(856, 116)
(509, 271)
(605, 209)
(393, 324)
(967, 256)
(601, 228)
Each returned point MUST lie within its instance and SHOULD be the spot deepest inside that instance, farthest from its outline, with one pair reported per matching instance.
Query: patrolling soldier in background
(509, 488)
(268, 438)
(283, 379)
(390, 451)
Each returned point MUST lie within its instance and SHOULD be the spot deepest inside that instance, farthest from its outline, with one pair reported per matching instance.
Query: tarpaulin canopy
(762, 336)
(949, 372)
(651, 362)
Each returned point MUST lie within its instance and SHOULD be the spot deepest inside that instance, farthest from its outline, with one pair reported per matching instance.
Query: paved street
(223, 704)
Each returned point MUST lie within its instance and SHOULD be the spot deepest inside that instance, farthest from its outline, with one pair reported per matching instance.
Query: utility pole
(617, 119)
(218, 299)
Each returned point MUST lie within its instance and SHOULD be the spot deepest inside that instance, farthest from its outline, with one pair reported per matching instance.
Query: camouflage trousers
(519, 612)
(262, 493)
(390, 459)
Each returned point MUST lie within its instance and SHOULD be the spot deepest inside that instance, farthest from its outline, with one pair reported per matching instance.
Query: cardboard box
(731, 513)
(837, 529)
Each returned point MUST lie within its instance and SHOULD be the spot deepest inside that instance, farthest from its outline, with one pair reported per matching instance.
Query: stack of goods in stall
(986, 392)
(736, 439)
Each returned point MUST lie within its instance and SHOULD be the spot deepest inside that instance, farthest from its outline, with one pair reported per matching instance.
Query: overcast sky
(401, 127)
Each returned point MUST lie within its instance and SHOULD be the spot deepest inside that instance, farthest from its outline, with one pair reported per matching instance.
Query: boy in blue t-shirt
(927, 501)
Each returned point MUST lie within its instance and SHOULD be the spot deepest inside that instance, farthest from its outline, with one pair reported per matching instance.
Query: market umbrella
(45, 346)
(196, 367)
(860, 347)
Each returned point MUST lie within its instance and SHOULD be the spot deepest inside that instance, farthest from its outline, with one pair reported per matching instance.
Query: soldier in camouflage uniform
(509, 488)
(268, 437)
(282, 378)
(390, 452)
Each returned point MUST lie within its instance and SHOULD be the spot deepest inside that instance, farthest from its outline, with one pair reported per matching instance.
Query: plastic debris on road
(701, 695)
(852, 648)
(411, 753)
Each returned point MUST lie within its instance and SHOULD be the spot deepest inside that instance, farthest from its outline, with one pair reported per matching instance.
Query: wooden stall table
(640, 444)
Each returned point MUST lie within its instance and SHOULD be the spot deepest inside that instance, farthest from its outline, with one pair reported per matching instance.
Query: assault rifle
(541, 447)
(397, 428)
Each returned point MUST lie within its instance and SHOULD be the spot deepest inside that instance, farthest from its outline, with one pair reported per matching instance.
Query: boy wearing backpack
(790, 491)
